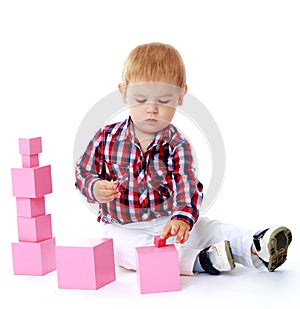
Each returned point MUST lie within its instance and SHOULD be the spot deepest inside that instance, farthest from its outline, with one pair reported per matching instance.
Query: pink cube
(30, 207)
(159, 242)
(35, 259)
(31, 182)
(30, 146)
(34, 229)
(89, 267)
(157, 269)
(30, 161)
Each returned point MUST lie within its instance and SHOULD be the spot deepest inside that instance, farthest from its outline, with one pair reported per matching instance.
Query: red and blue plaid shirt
(158, 182)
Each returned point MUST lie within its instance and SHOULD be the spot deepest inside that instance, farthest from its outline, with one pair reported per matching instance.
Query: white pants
(205, 232)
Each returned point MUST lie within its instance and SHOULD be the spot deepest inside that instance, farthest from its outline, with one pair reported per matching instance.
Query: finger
(113, 197)
(174, 229)
(105, 193)
(109, 198)
(186, 236)
(166, 233)
(182, 235)
(179, 236)
(116, 184)
(112, 194)
(182, 238)
(108, 185)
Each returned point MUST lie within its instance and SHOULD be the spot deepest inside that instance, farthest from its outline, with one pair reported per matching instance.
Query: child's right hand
(106, 191)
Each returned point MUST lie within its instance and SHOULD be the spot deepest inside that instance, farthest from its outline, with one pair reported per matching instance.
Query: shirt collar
(127, 131)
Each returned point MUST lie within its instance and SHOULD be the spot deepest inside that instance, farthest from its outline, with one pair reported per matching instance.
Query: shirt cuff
(183, 216)
(90, 191)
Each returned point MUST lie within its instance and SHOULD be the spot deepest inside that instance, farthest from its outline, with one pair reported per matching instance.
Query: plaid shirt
(158, 182)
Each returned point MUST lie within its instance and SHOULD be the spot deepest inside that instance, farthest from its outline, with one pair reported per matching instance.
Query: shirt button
(104, 219)
(145, 216)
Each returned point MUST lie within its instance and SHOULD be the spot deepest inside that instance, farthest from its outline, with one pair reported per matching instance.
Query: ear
(182, 94)
(122, 89)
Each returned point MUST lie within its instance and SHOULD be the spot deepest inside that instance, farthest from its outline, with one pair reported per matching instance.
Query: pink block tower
(34, 254)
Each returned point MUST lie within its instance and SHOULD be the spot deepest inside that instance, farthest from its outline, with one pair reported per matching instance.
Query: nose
(152, 108)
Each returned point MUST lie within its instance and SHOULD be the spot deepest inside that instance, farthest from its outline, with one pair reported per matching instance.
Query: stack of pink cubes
(34, 254)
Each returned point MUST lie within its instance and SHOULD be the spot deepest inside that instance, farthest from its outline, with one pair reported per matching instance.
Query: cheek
(168, 113)
(136, 112)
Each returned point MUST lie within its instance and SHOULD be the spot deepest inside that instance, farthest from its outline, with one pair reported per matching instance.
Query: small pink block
(30, 207)
(31, 182)
(35, 259)
(89, 267)
(157, 269)
(30, 146)
(30, 161)
(159, 242)
(35, 229)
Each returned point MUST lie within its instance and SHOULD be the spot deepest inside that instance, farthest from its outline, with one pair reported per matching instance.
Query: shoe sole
(279, 242)
(229, 254)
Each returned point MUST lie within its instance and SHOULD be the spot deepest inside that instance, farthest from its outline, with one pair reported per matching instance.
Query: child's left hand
(177, 228)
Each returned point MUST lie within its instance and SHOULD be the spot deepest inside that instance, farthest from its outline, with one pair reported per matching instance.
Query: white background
(58, 58)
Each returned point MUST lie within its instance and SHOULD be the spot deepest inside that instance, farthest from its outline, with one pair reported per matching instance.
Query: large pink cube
(35, 259)
(30, 207)
(89, 267)
(30, 146)
(31, 182)
(34, 229)
(157, 269)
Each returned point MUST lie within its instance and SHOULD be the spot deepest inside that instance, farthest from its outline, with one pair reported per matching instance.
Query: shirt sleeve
(89, 167)
(188, 196)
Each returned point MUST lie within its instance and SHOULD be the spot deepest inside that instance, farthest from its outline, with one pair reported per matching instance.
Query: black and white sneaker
(272, 246)
(217, 258)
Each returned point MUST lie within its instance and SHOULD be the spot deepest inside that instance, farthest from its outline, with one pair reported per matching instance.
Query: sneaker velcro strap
(256, 237)
(206, 264)
(264, 262)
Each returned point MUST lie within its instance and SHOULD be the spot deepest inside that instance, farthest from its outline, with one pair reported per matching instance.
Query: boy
(140, 172)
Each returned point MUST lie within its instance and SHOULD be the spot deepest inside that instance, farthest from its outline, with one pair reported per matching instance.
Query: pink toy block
(35, 259)
(157, 269)
(31, 182)
(87, 267)
(30, 161)
(34, 229)
(30, 146)
(30, 207)
(159, 242)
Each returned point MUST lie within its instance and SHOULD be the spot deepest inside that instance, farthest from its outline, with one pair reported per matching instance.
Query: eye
(162, 101)
(141, 100)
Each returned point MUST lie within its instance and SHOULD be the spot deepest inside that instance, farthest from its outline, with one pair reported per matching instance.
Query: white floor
(241, 287)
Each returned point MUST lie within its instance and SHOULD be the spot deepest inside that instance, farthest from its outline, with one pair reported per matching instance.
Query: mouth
(151, 120)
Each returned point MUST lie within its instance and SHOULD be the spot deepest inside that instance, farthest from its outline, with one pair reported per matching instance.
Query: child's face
(152, 105)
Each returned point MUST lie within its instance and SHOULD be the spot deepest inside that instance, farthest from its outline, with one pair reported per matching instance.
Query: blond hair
(154, 62)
